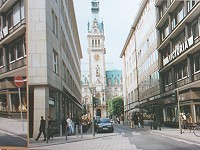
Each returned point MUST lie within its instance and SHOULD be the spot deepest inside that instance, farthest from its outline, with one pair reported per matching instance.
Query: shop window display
(197, 108)
(3, 103)
(15, 104)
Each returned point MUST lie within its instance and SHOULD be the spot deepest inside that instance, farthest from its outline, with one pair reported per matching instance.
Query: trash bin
(155, 125)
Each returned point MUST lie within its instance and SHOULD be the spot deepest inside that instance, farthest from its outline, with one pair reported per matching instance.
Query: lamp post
(92, 91)
(179, 116)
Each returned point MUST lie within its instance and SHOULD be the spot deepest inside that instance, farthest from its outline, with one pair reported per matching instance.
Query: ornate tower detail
(96, 51)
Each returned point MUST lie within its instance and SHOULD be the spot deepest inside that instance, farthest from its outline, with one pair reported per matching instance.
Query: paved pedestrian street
(117, 142)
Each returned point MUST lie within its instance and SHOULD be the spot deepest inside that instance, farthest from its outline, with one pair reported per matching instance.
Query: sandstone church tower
(97, 51)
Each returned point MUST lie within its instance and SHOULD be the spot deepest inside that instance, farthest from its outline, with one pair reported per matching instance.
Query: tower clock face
(96, 57)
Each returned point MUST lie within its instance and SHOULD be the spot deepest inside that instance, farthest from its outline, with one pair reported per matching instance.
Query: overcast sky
(118, 16)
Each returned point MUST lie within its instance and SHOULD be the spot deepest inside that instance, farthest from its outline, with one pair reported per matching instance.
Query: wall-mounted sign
(51, 101)
(183, 47)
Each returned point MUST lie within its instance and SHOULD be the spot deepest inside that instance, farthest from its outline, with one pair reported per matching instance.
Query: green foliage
(116, 106)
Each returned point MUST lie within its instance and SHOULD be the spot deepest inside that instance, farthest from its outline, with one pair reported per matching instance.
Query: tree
(116, 106)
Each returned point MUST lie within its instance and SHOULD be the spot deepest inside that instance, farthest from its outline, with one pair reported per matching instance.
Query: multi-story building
(13, 56)
(178, 26)
(140, 60)
(114, 84)
(54, 55)
(106, 84)
(97, 51)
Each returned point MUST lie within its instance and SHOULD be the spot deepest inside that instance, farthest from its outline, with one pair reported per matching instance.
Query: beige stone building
(140, 64)
(53, 67)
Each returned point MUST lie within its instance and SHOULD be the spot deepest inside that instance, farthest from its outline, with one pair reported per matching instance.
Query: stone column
(173, 78)
(189, 64)
(41, 107)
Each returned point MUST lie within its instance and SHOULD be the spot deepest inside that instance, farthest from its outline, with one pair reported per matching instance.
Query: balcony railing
(17, 64)
(8, 31)
(182, 82)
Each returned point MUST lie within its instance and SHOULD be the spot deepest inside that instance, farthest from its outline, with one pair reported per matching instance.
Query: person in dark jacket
(49, 129)
(42, 129)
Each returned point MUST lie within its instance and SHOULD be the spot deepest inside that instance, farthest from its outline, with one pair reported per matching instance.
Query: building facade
(114, 84)
(107, 84)
(54, 55)
(178, 30)
(140, 65)
(13, 57)
(97, 51)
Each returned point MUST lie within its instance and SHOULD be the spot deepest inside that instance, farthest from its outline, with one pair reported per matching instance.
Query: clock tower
(97, 51)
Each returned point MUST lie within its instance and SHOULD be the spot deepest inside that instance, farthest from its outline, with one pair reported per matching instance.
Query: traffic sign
(19, 81)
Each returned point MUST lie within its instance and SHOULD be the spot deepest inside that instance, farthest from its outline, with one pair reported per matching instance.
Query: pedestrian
(131, 120)
(69, 126)
(64, 125)
(49, 129)
(135, 119)
(183, 121)
(41, 129)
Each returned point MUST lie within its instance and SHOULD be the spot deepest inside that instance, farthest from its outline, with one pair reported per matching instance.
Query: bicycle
(197, 130)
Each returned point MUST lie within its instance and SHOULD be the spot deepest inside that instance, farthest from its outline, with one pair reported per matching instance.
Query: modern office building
(54, 53)
(178, 26)
(140, 65)
(13, 57)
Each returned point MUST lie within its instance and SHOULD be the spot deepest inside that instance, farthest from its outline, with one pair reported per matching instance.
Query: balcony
(6, 5)
(180, 26)
(8, 35)
(7, 71)
(165, 16)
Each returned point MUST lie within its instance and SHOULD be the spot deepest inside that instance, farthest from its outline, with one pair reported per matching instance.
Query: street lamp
(179, 116)
(92, 91)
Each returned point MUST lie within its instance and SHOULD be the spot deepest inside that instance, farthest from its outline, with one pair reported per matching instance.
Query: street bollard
(151, 125)
(60, 130)
(66, 133)
(81, 131)
(76, 130)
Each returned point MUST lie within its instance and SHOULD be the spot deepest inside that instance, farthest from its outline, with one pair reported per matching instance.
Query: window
(197, 62)
(56, 25)
(53, 21)
(55, 62)
(10, 19)
(182, 71)
(19, 50)
(16, 14)
(1, 57)
(195, 30)
(22, 9)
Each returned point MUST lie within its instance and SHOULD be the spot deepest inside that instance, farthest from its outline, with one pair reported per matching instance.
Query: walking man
(42, 129)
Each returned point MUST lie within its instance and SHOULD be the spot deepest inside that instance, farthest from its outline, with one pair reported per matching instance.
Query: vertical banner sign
(19, 81)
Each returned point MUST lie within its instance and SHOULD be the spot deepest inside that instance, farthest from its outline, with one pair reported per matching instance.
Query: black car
(104, 125)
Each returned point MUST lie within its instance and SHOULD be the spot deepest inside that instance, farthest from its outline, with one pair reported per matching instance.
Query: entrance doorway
(99, 112)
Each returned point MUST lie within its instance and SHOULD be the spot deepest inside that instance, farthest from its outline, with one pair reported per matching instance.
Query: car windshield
(105, 120)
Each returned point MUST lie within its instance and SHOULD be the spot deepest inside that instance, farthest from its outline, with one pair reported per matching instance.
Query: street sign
(19, 81)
